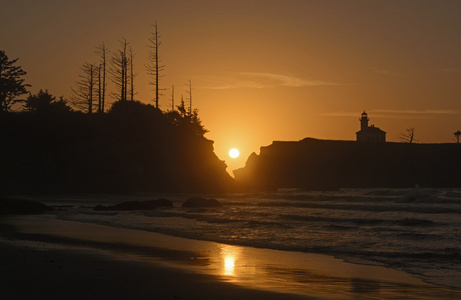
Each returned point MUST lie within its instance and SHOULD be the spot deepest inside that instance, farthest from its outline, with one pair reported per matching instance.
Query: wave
(371, 208)
(453, 194)
(419, 236)
(415, 222)
(387, 192)
(363, 221)
(373, 226)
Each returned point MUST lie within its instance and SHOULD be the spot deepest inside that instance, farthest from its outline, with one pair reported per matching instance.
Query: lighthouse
(364, 121)
(371, 133)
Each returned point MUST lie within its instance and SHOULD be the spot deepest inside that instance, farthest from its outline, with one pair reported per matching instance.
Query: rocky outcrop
(129, 150)
(325, 164)
(137, 205)
(201, 202)
(22, 207)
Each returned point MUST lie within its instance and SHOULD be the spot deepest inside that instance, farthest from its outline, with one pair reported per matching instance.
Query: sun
(234, 153)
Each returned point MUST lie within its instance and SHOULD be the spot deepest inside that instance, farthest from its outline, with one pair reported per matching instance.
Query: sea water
(414, 230)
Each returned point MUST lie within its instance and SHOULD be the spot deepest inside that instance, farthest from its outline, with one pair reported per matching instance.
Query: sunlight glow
(234, 153)
(229, 264)
(229, 255)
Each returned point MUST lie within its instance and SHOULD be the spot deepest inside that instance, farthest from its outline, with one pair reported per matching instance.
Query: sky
(262, 70)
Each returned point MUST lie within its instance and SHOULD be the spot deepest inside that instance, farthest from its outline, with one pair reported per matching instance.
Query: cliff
(135, 149)
(325, 164)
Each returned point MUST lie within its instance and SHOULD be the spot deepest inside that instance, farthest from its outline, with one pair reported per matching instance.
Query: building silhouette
(370, 134)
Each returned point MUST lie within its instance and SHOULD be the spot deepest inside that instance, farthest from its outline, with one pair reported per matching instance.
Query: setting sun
(234, 153)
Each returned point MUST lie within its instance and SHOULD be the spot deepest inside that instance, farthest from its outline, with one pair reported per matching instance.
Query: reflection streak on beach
(229, 255)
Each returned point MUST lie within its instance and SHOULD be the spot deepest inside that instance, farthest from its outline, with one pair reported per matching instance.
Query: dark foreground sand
(28, 273)
(43, 258)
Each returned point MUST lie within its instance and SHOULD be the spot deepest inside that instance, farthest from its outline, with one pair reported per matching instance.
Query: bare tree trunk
(190, 96)
(123, 98)
(409, 136)
(102, 51)
(154, 67)
(84, 93)
(99, 91)
(104, 59)
(119, 72)
(132, 93)
(172, 97)
(91, 87)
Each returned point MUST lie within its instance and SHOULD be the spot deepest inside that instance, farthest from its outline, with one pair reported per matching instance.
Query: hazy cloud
(450, 70)
(260, 80)
(395, 113)
(215, 83)
(417, 112)
(285, 80)
(341, 114)
(386, 72)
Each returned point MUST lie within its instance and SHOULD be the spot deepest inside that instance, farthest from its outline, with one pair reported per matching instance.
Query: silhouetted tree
(119, 71)
(172, 97)
(85, 92)
(182, 108)
(408, 136)
(176, 117)
(135, 110)
(11, 82)
(132, 75)
(44, 102)
(154, 66)
(196, 123)
(190, 95)
(102, 71)
(173, 117)
(185, 120)
(457, 135)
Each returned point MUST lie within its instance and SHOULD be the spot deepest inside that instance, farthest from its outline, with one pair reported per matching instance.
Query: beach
(37, 272)
(47, 258)
(59, 269)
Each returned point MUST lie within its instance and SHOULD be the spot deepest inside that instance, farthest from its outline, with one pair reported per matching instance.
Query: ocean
(414, 230)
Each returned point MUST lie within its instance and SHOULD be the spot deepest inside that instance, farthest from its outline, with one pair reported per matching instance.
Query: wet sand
(46, 258)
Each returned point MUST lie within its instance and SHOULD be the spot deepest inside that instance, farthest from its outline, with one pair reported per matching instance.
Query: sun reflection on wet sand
(306, 273)
(229, 255)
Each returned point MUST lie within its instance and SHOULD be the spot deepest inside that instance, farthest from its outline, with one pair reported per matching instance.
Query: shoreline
(243, 270)
(38, 272)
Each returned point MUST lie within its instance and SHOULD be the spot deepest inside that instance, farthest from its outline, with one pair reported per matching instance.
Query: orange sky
(264, 70)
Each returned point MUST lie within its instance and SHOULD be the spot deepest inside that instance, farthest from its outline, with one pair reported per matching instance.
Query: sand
(46, 258)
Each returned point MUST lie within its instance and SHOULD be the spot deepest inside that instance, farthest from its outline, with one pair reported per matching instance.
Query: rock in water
(137, 205)
(22, 207)
(201, 202)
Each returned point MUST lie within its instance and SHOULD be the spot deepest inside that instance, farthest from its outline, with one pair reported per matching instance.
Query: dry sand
(45, 258)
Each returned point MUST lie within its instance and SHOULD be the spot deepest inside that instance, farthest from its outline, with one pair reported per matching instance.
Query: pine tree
(11, 82)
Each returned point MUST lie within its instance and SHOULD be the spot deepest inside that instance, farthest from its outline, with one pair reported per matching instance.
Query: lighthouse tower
(371, 133)
(364, 121)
